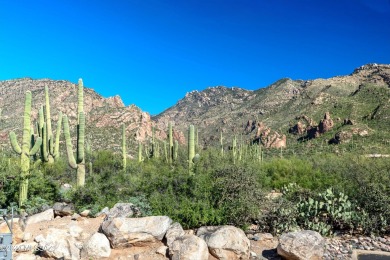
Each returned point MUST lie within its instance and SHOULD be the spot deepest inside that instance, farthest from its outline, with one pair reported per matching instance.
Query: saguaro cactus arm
(14, 143)
(68, 141)
(36, 146)
(191, 146)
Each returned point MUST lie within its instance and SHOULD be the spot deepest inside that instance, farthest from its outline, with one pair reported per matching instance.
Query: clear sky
(151, 52)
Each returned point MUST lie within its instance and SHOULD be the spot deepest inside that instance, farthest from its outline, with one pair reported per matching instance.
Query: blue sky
(152, 52)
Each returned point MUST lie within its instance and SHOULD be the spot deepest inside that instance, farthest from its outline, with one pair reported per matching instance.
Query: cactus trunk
(170, 137)
(124, 155)
(191, 147)
(221, 141)
(78, 162)
(140, 152)
(175, 150)
(26, 151)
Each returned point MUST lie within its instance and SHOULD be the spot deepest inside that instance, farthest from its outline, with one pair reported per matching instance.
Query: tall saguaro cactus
(124, 155)
(26, 151)
(191, 147)
(78, 162)
(170, 137)
(49, 148)
(53, 147)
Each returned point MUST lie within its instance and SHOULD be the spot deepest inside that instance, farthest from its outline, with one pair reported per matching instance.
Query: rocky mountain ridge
(363, 97)
(104, 115)
(229, 110)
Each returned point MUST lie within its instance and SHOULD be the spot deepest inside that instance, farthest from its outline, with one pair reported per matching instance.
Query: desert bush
(237, 192)
(278, 216)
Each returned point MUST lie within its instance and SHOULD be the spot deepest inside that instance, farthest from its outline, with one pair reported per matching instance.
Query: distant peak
(371, 66)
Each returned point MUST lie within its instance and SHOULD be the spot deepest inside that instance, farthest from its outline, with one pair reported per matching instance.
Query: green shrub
(278, 216)
(35, 205)
(142, 203)
(237, 192)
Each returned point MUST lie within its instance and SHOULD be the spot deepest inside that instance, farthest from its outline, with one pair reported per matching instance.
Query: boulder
(74, 230)
(125, 232)
(162, 250)
(17, 231)
(85, 213)
(174, 231)
(58, 243)
(188, 247)
(97, 246)
(46, 215)
(26, 257)
(301, 245)
(225, 242)
(123, 210)
(63, 209)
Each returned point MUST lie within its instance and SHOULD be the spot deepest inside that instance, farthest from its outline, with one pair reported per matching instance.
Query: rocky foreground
(60, 233)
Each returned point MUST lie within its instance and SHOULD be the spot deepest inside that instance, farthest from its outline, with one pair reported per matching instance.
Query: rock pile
(116, 234)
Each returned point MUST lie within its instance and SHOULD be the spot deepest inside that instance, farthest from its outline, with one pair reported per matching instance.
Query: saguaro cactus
(175, 149)
(78, 162)
(49, 148)
(53, 148)
(124, 153)
(153, 144)
(26, 151)
(170, 137)
(191, 146)
(221, 141)
(140, 158)
(234, 149)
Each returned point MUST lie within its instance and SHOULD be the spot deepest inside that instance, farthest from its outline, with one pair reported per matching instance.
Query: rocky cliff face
(104, 115)
(229, 110)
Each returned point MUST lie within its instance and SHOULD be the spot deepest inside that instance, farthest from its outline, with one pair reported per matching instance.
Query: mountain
(104, 115)
(344, 109)
(362, 98)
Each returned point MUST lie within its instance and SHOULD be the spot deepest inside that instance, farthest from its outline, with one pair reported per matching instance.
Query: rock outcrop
(269, 138)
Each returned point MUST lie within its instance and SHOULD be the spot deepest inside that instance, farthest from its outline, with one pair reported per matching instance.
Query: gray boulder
(123, 210)
(63, 209)
(43, 216)
(226, 242)
(97, 246)
(188, 247)
(174, 231)
(57, 244)
(301, 245)
(125, 232)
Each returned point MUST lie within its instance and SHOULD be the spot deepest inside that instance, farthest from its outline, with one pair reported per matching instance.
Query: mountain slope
(362, 97)
(104, 115)
(357, 103)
